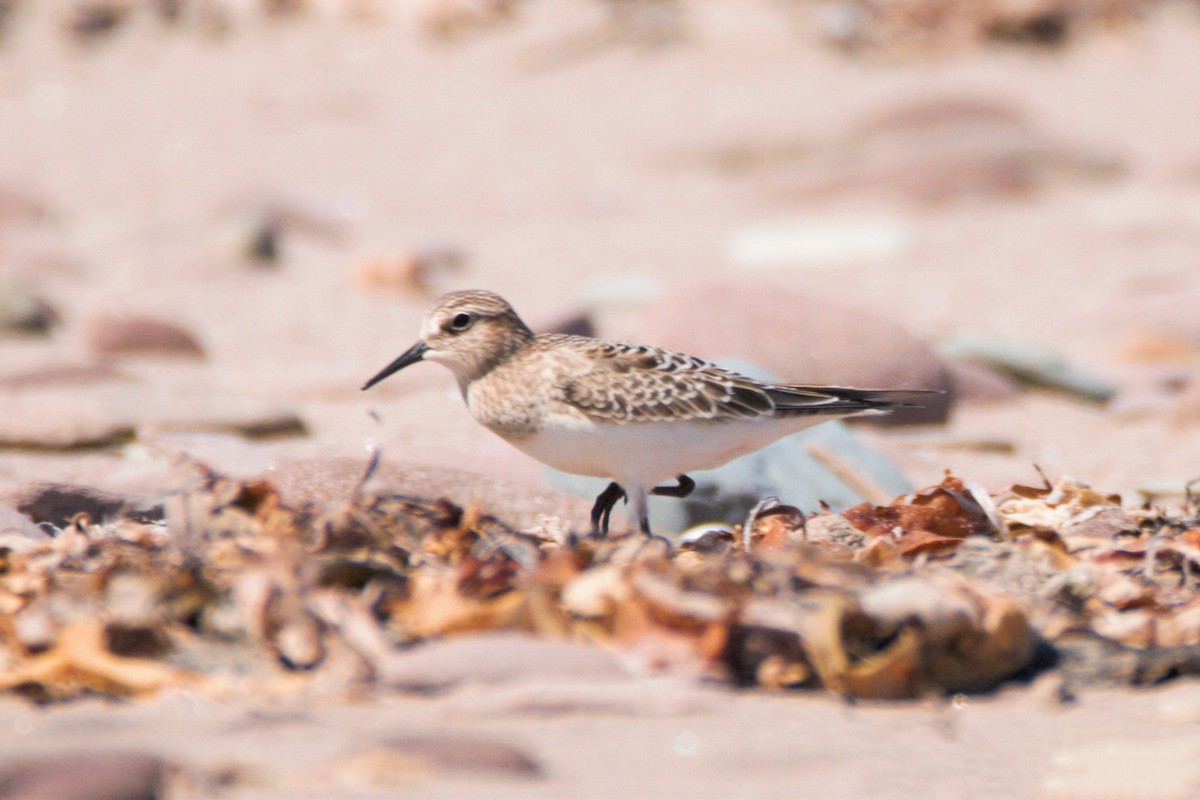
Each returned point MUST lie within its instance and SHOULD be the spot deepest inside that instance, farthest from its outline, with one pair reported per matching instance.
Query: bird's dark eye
(460, 322)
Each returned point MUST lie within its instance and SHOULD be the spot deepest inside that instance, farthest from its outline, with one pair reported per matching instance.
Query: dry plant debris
(944, 590)
(924, 26)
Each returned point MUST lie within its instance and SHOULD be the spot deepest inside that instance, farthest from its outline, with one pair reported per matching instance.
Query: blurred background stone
(799, 338)
(85, 775)
(23, 311)
(126, 335)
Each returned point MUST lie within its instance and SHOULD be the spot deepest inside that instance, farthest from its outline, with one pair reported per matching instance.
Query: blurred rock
(925, 150)
(255, 229)
(833, 528)
(91, 19)
(23, 311)
(248, 424)
(43, 429)
(823, 464)
(494, 658)
(284, 8)
(801, 339)
(256, 239)
(574, 325)
(85, 775)
(57, 503)
(421, 272)
(976, 382)
(120, 335)
(73, 412)
(1031, 365)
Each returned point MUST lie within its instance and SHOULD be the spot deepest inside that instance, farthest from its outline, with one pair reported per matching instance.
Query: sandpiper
(634, 414)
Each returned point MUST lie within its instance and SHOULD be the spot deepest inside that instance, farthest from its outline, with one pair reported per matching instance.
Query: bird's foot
(603, 507)
(682, 489)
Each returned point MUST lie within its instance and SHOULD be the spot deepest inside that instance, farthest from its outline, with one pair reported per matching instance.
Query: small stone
(833, 528)
(262, 242)
(975, 382)
(22, 311)
(57, 503)
(1035, 366)
(95, 18)
(120, 335)
(92, 775)
(580, 324)
(465, 754)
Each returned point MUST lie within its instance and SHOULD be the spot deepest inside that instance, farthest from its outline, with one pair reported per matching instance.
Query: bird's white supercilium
(634, 414)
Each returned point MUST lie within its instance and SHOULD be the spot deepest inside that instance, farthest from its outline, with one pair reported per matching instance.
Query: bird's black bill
(411, 356)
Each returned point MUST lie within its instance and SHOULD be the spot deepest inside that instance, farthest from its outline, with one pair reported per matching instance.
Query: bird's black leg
(682, 489)
(603, 508)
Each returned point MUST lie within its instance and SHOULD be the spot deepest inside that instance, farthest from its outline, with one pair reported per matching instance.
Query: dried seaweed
(945, 590)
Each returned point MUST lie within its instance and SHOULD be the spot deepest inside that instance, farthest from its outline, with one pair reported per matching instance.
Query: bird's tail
(804, 399)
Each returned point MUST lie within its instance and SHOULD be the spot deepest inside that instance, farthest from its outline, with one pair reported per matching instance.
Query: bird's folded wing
(638, 383)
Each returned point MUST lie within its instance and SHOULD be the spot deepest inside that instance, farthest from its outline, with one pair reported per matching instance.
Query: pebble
(24, 312)
(942, 148)
(976, 382)
(57, 503)
(87, 20)
(122, 335)
(1031, 365)
(88, 775)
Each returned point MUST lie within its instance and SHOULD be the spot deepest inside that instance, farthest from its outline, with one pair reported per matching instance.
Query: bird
(634, 414)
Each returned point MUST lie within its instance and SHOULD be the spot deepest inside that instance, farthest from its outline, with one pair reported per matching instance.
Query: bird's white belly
(648, 453)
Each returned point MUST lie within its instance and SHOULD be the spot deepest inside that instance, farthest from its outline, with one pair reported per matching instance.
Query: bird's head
(469, 332)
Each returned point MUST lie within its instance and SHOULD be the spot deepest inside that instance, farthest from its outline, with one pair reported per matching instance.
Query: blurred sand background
(593, 158)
